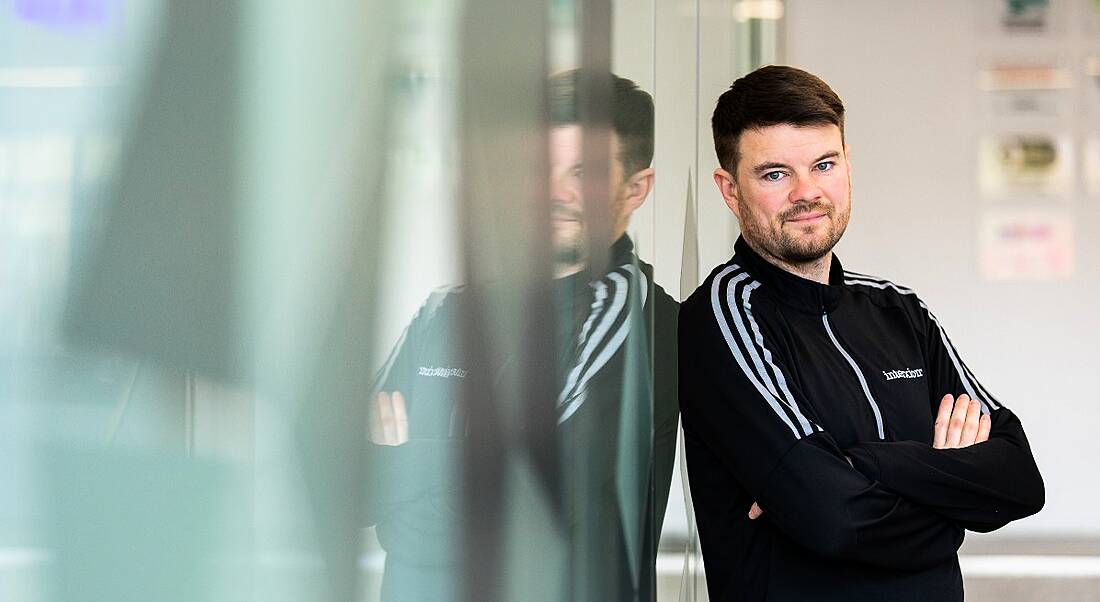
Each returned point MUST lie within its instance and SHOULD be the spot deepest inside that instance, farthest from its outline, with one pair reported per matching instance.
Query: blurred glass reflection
(332, 305)
(608, 496)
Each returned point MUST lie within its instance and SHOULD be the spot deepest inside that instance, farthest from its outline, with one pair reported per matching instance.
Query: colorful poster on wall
(1025, 163)
(1091, 163)
(1026, 245)
(1020, 16)
(1029, 15)
(1026, 87)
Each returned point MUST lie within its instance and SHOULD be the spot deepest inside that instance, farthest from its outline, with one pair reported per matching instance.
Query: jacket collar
(795, 291)
(621, 253)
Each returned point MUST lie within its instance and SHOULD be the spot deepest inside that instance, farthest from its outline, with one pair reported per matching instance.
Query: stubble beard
(571, 244)
(784, 243)
(568, 250)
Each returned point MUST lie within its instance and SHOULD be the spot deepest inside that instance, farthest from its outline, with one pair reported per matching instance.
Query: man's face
(792, 191)
(567, 197)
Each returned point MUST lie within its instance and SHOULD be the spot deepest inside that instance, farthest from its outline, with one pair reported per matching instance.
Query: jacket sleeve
(402, 474)
(982, 487)
(426, 465)
(738, 399)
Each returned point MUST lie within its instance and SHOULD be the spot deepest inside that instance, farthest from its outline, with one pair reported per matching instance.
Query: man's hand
(387, 420)
(755, 511)
(960, 423)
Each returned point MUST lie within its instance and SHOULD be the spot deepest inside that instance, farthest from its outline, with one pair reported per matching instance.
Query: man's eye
(773, 176)
(825, 165)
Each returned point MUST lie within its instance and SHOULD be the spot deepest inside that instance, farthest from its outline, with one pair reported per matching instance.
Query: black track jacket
(819, 402)
(617, 419)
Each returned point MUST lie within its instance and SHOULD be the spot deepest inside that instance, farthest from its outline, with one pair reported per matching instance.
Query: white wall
(907, 73)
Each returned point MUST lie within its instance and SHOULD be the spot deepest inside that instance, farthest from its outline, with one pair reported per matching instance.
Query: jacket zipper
(859, 375)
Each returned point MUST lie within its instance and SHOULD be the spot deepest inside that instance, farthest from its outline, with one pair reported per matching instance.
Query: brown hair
(771, 95)
(631, 111)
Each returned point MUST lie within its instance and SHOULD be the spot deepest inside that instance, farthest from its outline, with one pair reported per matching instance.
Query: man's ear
(727, 186)
(848, 156)
(637, 188)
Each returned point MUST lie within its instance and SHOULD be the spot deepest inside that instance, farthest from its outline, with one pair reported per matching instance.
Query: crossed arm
(959, 424)
(980, 487)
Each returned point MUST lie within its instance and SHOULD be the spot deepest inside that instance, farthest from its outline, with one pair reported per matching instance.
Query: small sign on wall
(1026, 245)
(1025, 87)
(1025, 163)
(1026, 15)
(1021, 16)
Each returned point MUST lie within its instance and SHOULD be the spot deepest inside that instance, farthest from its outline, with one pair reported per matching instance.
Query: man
(837, 445)
(604, 339)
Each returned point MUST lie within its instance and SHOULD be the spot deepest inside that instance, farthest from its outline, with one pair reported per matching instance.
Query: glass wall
(370, 303)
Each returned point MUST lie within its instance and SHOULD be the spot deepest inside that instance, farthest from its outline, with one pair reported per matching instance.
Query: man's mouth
(806, 217)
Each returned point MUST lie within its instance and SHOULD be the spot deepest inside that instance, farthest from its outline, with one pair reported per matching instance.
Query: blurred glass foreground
(350, 303)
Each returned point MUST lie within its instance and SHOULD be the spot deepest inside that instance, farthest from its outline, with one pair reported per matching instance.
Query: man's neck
(816, 270)
(564, 271)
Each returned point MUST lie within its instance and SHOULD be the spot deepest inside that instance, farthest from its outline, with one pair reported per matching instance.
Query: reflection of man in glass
(616, 349)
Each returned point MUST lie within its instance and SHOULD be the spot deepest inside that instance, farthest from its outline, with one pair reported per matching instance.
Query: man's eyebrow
(766, 166)
(773, 165)
(828, 155)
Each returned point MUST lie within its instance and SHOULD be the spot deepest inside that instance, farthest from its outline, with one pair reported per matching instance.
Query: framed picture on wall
(1021, 16)
(1021, 86)
(1026, 245)
(1025, 163)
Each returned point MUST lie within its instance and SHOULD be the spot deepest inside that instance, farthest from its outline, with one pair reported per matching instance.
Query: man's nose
(565, 189)
(804, 190)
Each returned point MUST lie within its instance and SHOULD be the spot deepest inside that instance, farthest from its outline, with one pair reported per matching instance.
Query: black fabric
(414, 493)
(857, 504)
